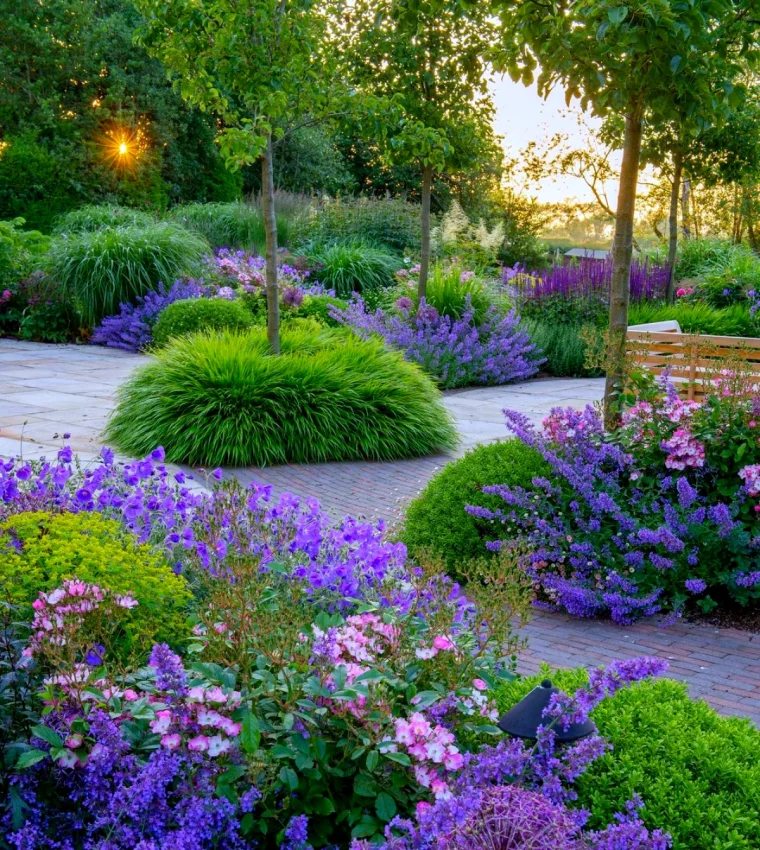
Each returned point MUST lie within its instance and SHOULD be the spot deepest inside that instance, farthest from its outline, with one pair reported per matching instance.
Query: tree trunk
(427, 181)
(673, 224)
(270, 227)
(685, 214)
(622, 251)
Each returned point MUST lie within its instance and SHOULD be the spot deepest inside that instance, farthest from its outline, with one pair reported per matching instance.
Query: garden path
(49, 390)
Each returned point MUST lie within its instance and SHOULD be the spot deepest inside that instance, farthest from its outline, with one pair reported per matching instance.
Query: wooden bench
(694, 361)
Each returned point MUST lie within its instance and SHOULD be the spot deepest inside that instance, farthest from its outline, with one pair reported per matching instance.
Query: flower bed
(331, 693)
(660, 513)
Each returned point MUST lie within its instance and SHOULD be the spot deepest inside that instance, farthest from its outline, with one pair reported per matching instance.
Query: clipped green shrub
(102, 269)
(230, 225)
(697, 772)
(198, 314)
(563, 346)
(696, 317)
(224, 399)
(353, 266)
(317, 307)
(100, 216)
(436, 521)
(39, 550)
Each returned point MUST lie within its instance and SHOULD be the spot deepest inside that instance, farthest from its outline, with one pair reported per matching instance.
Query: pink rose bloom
(217, 745)
(196, 694)
(74, 741)
(162, 722)
(425, 654)
(55, 597)
(454, 759)
(229, 727)
(198, 744)
(440, 789)
(442, 642)
(479, 684)
(38, 604)
(216, 694)
(680, 293)
(209, 717)
(130, 695)
(170, 742)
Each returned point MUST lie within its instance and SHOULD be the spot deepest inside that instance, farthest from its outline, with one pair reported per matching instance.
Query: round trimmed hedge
(697, 772)
(198, 314)
(224, 399)
(436, 521)
(39, 550)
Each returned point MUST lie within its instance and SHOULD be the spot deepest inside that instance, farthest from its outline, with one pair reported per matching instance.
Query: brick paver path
(48, 390)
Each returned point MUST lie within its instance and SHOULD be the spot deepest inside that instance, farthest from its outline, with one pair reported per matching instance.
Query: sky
(522, 116)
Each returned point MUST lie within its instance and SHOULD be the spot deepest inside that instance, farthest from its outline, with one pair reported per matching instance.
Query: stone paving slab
(48, 390)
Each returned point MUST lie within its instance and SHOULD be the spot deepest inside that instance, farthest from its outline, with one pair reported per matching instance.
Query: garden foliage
(327, 692)
(351, 265)
(659, 513)
(436, 523)
(99, 270)
(224, 399)
(200, 314)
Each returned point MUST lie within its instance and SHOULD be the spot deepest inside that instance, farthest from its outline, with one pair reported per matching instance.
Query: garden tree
(263, 68)
(639, 59)
(428, 56)
(70, 74)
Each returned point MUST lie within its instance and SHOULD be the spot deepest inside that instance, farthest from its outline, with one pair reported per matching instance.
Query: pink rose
(199, 744)
(442, 642)
(170, 742)
(479, 684)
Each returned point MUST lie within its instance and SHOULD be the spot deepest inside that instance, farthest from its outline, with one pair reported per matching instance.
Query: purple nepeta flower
(695, 585)
(297, 834)
(170, 672)
(131, 329)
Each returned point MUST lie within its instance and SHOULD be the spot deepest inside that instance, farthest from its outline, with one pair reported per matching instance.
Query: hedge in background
(197, 314)
(697, 772)
(101, 269)
(436, 521)
(39, 550)
(224, 399)
(100, 216)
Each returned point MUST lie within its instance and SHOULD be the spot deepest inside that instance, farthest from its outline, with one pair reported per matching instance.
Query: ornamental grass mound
(225, 400)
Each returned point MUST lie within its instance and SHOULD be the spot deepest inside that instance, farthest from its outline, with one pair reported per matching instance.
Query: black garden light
(523, 719)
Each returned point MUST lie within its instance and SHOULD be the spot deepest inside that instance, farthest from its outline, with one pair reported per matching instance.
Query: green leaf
(28, 758)
(385, 806)
(675, 64)
(289, 777)
(617, 15)
(373, 759)
(250, 734)
(399, 758)
(48, 735)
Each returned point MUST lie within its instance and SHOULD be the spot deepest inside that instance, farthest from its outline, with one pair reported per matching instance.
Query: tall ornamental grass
(101, 216)
(351, 265)
(100, 270)
(230, 225)
(224, 400)
(697, 317)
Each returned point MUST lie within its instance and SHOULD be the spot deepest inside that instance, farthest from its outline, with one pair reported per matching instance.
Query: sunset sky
(522, 116)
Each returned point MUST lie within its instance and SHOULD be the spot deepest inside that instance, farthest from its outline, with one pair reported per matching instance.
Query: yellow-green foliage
(39, 550)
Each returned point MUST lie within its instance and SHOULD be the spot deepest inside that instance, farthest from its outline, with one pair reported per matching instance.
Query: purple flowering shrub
(329, 689)
(131, 329)
(455, 351)
(579, 292)
(639, 521)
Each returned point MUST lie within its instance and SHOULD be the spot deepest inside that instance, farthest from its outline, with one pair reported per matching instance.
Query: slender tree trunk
(270, 227)
(427, 182)
(622, 251)
(673, 224)
(685, 214)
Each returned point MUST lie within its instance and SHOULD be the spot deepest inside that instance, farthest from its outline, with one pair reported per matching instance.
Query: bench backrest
(693, 360)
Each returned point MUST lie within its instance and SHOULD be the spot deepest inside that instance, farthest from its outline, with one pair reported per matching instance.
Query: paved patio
(49, 390)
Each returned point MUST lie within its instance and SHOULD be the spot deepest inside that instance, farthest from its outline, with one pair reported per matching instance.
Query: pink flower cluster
(62, 611)
(201, 719)
(558, 426)
(684, 290)
(684, 450)
(432, 748)
(750, 475)
(441, 643)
